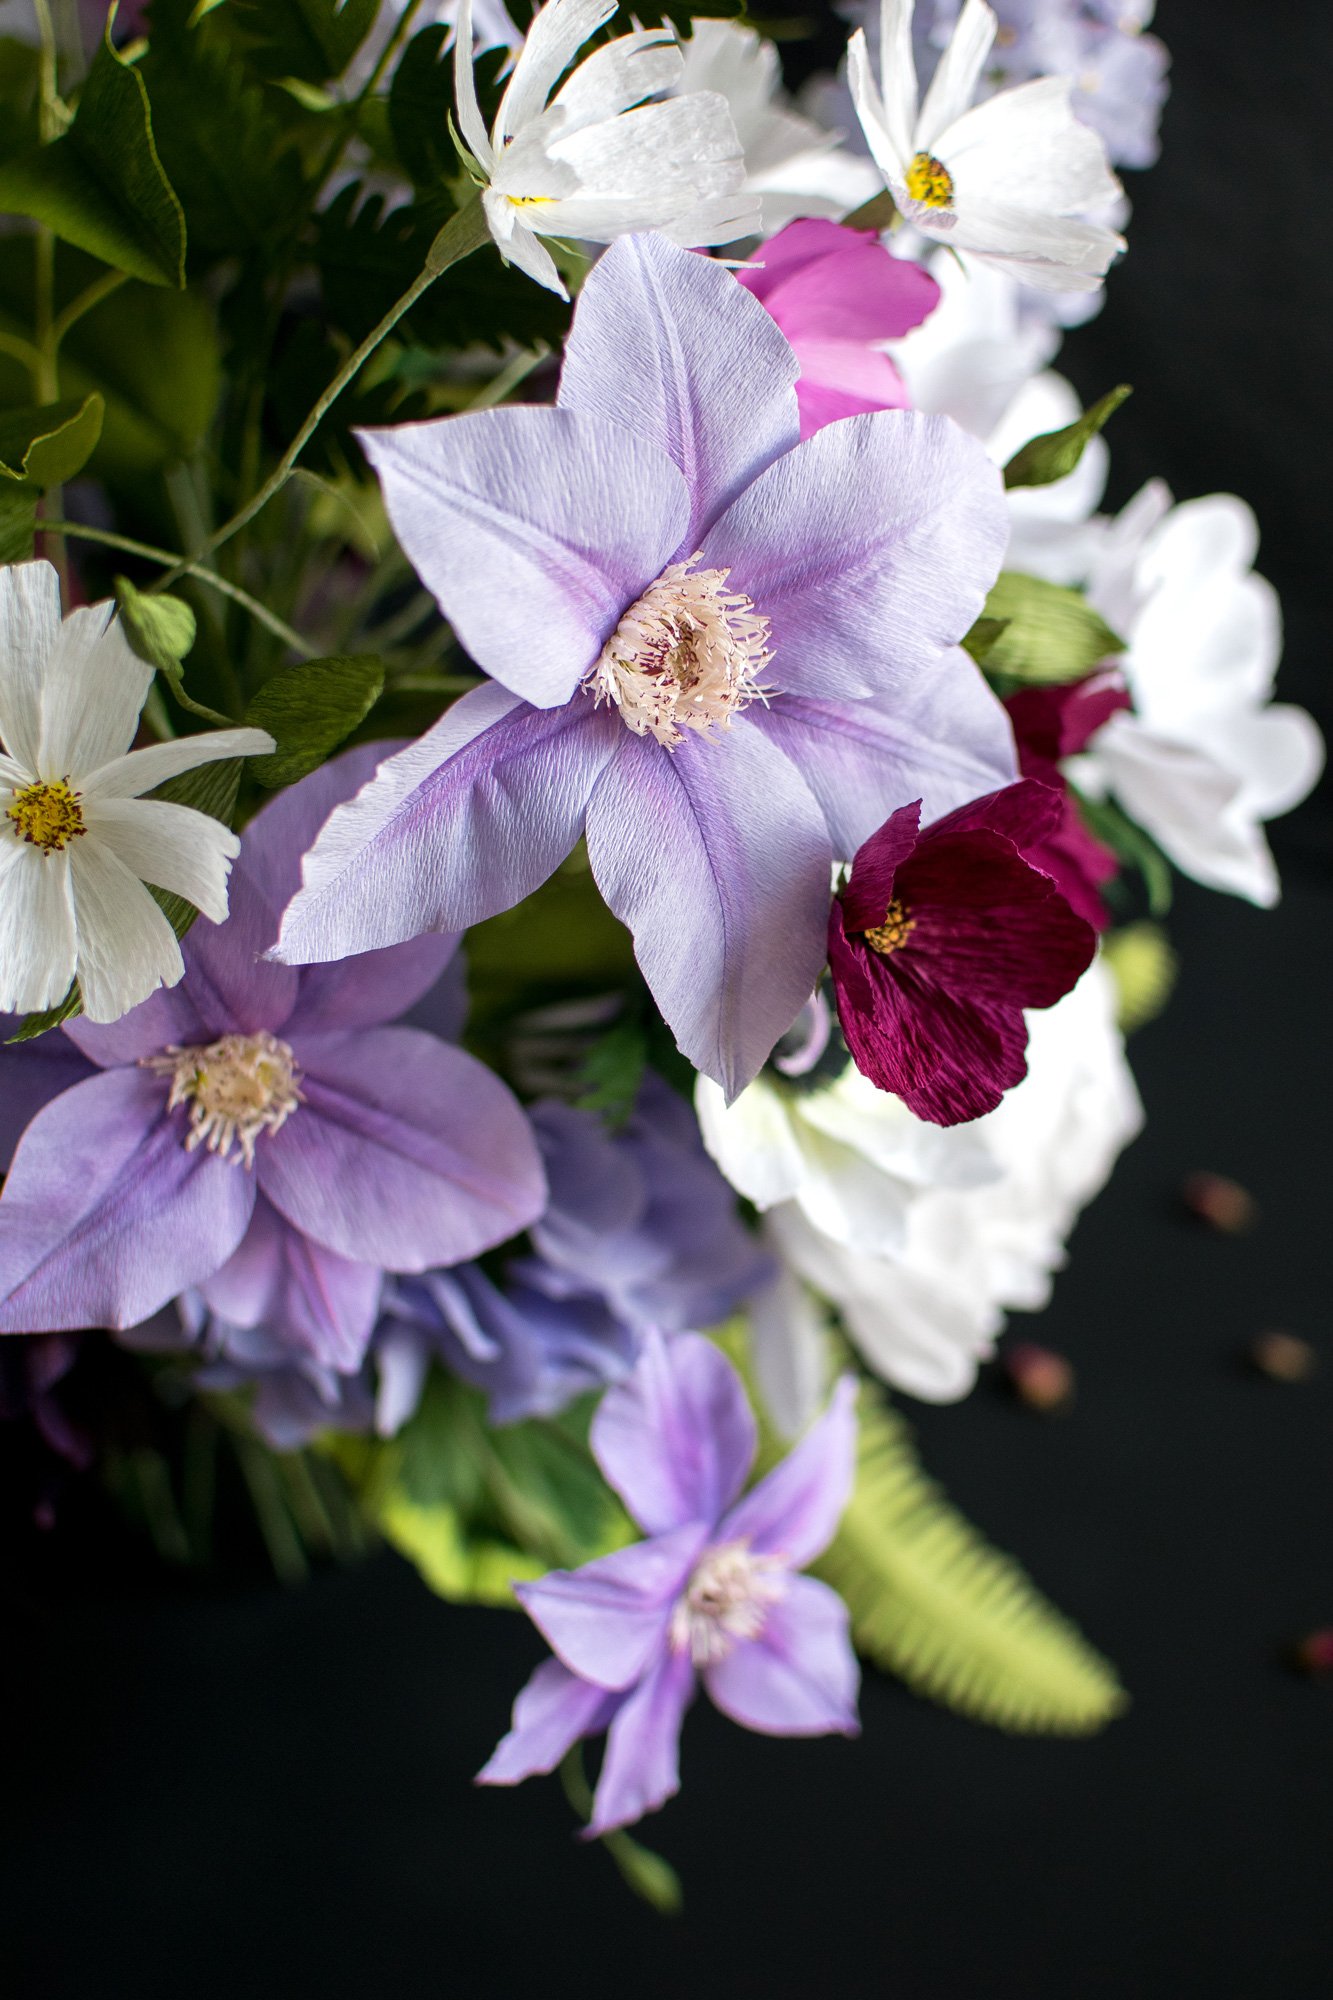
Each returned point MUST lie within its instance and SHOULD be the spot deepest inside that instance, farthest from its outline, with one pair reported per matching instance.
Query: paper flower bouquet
(585, 797)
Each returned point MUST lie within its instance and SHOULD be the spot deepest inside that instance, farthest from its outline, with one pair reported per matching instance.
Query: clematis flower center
(236, 1088)
(47, 815)
(686, 655)
(929, 181)
(728, 1599)
(892, 934)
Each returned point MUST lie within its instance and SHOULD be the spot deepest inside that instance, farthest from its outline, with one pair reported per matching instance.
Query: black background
(221, 1788)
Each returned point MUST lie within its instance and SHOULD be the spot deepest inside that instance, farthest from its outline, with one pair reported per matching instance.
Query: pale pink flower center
(686, 655)
(236, 1088)
(727, 1599)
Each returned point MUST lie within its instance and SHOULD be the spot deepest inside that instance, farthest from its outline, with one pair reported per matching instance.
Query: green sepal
(1048, 634)
(310, 709)
(48, 443)
(1055, 454)
(101, 185)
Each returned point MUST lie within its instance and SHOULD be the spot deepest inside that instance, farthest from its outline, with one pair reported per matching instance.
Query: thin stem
(24, 351)
(515, 372)
(461, 235)
(184, 567)
(101, 288)
(48, 114)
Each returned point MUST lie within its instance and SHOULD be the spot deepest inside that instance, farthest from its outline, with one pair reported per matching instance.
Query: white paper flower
(795, 166)
(585, 163)
(926, 1314)
(77, 839)
(1205, 758)
(1010, 180)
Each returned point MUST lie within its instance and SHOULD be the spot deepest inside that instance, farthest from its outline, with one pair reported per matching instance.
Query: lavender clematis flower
(712, 1594)
(723, 654)
(263, 1135)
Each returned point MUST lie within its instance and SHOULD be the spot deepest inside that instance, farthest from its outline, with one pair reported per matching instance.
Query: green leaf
(421, 99)
(984, 636)
(1054, 454)
(311, 40)
(101, 185)
(48, 444)
(20, 96)
(952, 1617)
(613, 1071)
(562, 942)
(310, 709)
(1137, 849)
(1048, 633)
(18, 523)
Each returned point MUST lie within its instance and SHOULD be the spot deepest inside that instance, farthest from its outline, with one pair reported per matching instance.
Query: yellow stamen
(530, 200)
(930, 182)
(892, 934)
(47, 815)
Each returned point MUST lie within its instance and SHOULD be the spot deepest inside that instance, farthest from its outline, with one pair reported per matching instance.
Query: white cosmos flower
(1010, 180)
(1205, 758)
(78, 840)
(926, 1313)
(585, 163)
(794, 165)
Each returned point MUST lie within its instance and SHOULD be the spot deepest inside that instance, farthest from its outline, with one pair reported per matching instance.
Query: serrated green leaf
(421, 99)
(1055, 454)
(310, 709)
(958, 1621)
(310, 40)
(18, 522)
(101, 184)
(1049, 634)
(48, 443)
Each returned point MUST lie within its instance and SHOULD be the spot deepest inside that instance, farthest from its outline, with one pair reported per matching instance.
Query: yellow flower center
(893, 933)
(46, 815)
(236, 1088)
(930, 182)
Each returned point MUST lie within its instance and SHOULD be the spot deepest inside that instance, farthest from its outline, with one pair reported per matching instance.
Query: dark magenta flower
(938, 942)
(1051, 723)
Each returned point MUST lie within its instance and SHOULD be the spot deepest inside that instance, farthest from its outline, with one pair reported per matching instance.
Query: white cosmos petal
(897, 65)
(470, 121)
(956, 73)
(620, 75)
(683, 144)
(142, 770)
(716, 219)
(179, 850)
(36, 927)
(889, 155)
(93, 690)
(13, 775)
(29, 621)
(1055, 251)
(1026, 147)
(520, 246)
(558, 32)
(127, 949)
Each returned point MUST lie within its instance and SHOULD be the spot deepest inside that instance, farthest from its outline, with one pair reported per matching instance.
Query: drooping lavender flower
(713, 1594)
(723, 653)
(263, 1135)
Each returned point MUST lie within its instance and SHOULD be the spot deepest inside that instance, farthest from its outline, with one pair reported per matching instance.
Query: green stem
(183, 567)
(30, 356)
(48, 113)
(101, 288)
(462, 234)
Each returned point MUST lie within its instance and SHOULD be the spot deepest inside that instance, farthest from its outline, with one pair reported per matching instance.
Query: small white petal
(471, 123)
(889, 153)
(93, 690)
(897, 65)
(29, 622)
(619, 76)
(518, 245)
(177, 849)
(1026, 147)
(557, 34)
(36, 927)
(127, 949)
(143, 770)
(956, 73)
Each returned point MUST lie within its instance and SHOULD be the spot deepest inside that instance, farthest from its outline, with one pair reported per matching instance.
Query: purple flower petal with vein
(711, 1595)
(938, 942)
(263, 1135)
(727, 653)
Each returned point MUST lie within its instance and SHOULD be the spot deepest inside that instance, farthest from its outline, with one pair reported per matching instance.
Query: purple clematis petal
(799, 1677)
(717, 858)
(640, 1770)
(870, 547)
(381, 1162)
(105, 1216)
(794, 1510)
(325, 1305)
(167, 1016)
(534, 528)
(945, 739)
(677, 1440)
(464, 823)
(608, 1620)
(676, 351)
(31, 1074)
(232, 986)
(552, 1713)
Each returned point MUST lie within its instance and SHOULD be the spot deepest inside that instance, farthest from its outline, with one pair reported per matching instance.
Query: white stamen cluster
(236, 1088)
(686, 655)
(727, 1600)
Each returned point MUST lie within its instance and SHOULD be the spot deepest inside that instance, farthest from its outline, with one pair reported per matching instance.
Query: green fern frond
(954, 1618)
